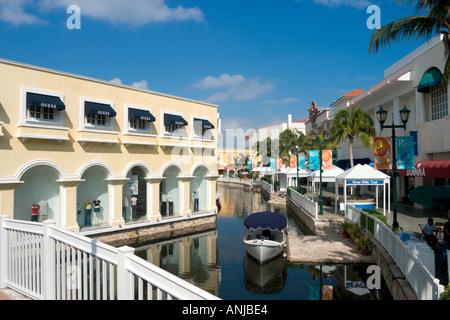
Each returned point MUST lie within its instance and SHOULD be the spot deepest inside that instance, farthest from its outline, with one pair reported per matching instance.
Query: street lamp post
(381, 117)
(326, 136)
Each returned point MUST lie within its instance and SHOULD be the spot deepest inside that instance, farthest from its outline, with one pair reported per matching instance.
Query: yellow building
(67, 140)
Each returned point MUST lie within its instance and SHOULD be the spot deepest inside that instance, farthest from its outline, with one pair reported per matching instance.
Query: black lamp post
(381, 117)
(326, 136)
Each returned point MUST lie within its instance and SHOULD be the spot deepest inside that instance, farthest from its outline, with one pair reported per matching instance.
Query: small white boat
(265, 237)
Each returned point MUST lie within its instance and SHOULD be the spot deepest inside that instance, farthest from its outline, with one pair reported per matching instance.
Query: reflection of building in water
(193, 258)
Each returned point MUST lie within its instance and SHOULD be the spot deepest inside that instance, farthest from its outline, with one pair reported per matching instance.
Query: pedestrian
(396, 228)
(446, 241)
(430, 231)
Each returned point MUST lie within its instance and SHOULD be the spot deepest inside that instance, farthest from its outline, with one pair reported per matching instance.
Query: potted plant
(345, 226)
(364, 243)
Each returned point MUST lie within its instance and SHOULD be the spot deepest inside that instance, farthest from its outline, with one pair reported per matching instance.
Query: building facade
(414, 83)
(71, 143)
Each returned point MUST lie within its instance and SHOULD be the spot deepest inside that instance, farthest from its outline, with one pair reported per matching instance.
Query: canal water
(216, 261)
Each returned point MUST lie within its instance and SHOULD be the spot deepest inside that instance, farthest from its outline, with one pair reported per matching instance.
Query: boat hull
(264, 250)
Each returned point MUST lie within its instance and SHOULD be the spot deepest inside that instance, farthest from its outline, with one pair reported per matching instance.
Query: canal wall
(148, 232)
(398, 286)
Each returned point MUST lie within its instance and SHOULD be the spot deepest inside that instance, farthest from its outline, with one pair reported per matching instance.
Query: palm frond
(409, 27)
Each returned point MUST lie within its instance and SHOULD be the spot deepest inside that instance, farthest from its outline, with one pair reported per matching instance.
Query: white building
(412, 82)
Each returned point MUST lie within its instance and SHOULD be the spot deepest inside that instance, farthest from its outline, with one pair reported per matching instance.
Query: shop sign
(365, 182)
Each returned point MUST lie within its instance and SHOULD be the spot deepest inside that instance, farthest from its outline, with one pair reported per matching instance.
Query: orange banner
(293, 162)
(327, 159)
(279, 163)
(382, 152)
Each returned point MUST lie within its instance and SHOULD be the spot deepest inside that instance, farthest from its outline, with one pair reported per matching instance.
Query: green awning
(432, 197)
(432, 77)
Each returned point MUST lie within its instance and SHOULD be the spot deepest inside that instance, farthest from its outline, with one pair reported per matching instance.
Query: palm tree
(433, 17)
(351, 123)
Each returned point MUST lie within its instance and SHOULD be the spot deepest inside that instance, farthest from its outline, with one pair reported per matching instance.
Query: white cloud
(234, 87)
(12, 11)
(135, 13)
(282, 101)
(138, 84)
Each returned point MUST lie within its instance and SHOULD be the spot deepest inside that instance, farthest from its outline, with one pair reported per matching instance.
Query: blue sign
(416, 148)
(365, 182)
(405, 153)
(301, 162)
(314, 160)
(249, 164)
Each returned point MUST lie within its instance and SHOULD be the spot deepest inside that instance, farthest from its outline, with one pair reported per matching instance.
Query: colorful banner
(249, 164)
(293, 161)
(279, 163)
(302, 162)
(314, 160)
(327, 159)
(382, 152)
(405, 153)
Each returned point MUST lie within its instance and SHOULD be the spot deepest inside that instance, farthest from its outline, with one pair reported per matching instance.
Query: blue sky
(257, 60)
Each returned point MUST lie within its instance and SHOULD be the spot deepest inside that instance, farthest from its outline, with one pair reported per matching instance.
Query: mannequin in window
(97, 208)
(163, 204)
(87, 210)
(196, 201)
(170, 199)
(34, 212)
(134, 201)
(43, 209)
(193, 201)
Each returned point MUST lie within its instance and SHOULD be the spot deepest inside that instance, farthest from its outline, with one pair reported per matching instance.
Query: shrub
(446, 294)
(370, 223)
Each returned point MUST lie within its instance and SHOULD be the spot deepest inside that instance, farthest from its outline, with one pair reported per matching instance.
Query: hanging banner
(249, 164)
(327, 159)
(302, 162)
(382, 153)
(293, 161)
(272, 163)
(314, 160)
(416, 148)
(405, 153)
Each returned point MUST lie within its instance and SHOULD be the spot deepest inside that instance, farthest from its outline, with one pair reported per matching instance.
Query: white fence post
(48, 262)
(125, 282)
(3, 252)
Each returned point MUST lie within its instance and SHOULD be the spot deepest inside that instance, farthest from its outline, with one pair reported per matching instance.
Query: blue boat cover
(266, 220)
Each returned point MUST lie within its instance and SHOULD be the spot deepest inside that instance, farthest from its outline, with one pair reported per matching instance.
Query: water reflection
(216, 261)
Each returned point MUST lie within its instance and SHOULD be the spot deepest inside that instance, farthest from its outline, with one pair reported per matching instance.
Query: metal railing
(309, 206)
(45, 262)
(236, 180)
(425, 285)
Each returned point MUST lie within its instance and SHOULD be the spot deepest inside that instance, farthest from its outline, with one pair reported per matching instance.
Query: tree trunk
(350, 152)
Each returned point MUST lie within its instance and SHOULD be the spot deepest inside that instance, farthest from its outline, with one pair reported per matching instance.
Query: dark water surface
(217, 262)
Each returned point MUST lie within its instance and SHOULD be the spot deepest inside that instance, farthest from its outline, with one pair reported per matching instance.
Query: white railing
(236, 180)
(309, 206)
(425, 285)
(45, 262)
(267, 186)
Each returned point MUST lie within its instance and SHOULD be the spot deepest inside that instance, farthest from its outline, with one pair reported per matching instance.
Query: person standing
(446, 241)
